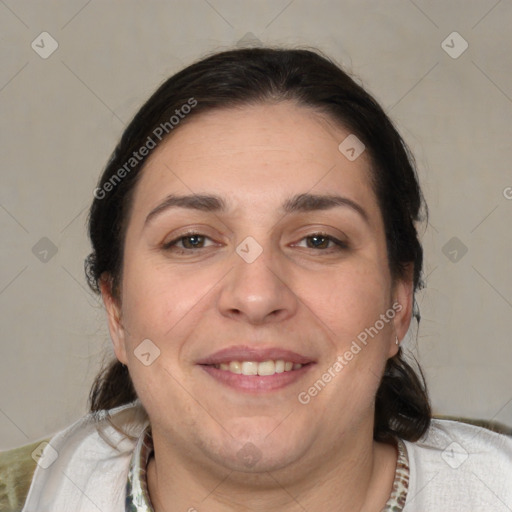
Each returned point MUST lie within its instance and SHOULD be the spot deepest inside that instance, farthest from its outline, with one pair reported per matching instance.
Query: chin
(251, 459)
(262, 451)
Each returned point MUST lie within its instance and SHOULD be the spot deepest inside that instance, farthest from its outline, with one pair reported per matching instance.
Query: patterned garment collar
(137, 494)
(398, 496)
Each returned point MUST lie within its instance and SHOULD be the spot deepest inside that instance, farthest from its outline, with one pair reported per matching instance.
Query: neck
(358, 477)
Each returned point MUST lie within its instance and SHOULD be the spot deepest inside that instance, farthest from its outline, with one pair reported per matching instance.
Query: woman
(254, 243)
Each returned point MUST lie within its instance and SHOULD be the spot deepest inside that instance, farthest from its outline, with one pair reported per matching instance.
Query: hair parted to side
(239, 77)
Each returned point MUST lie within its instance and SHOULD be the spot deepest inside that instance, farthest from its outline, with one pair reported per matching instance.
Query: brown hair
(249, 76)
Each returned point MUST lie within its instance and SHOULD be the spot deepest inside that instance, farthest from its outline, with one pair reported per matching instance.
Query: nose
(257, 292)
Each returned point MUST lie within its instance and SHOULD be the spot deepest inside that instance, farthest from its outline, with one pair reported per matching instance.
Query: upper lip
(245, 353)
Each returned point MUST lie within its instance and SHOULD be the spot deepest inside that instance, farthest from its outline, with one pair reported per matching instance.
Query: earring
(396, 340)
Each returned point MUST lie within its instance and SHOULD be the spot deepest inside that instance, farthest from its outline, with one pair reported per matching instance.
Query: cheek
(160, 304)
(358, 296)
(157, 298)
(347, 299)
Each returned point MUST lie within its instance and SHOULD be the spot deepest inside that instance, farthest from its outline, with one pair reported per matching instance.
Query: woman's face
(253, 239)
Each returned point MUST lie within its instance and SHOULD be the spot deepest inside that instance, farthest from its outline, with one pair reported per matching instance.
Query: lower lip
(257, 383)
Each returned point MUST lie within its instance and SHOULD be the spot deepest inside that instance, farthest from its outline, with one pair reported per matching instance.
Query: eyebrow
(299, 203)
(311, 202)
(193, 202)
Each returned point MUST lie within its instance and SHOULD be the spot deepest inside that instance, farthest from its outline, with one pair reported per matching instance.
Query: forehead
(254, 154)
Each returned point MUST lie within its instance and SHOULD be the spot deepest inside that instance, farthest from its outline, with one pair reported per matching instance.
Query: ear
(115, 326)
(402, 303)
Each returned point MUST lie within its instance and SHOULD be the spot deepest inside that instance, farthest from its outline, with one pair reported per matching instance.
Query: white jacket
(455, 467)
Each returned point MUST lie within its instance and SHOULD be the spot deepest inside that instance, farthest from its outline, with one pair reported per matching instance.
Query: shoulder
(95, 451)
(459, 464)
(450, 437)
(92, 457)
(17, 467)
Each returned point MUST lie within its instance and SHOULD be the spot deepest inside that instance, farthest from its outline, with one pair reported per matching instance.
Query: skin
(314, 301)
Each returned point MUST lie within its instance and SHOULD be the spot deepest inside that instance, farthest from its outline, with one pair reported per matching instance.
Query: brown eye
(322, 242)
(192, 241)
(318, 242)
(188, 243)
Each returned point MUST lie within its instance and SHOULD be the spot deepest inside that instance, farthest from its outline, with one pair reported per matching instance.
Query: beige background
(62, 116)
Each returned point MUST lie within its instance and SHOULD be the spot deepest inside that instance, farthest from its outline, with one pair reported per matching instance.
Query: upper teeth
(254, 368)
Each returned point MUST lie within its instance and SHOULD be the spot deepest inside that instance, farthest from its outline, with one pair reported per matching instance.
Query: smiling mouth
(257, 377)
(263, 368)
(245, 368)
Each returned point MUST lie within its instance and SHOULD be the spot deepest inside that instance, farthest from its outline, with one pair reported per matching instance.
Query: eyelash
(172, 245)
(339, 245)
